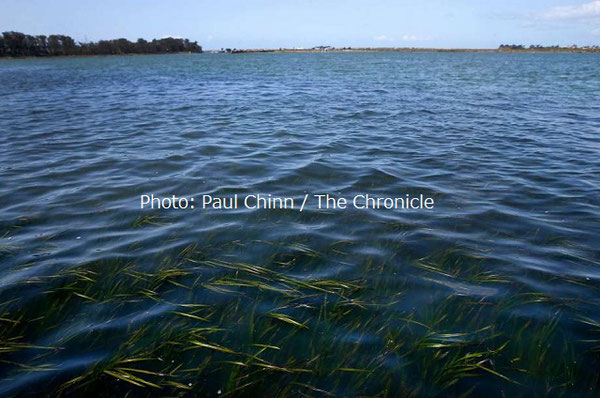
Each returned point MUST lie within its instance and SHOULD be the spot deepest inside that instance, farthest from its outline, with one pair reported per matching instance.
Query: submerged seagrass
(495, 291)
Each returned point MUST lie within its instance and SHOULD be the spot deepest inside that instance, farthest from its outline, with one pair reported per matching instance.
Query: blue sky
(306, 23)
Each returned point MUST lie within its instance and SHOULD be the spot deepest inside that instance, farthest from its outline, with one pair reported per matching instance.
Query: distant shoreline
(93, 55)
(409, 50)
(308, 51)
(20, 45)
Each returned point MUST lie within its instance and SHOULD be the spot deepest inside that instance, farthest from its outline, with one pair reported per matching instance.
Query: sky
(306, 23)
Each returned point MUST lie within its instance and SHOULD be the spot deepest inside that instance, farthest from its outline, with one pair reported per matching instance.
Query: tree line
(17, 44)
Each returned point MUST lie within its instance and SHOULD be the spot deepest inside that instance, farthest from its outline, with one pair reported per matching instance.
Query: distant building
(322, 48)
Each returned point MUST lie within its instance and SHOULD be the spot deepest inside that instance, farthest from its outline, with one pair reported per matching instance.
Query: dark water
(495, 291)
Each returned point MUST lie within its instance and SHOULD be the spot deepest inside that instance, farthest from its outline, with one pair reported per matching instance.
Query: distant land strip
(17, 44)
(502, 49)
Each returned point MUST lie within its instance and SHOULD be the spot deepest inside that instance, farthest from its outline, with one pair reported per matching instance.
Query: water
(496, 290)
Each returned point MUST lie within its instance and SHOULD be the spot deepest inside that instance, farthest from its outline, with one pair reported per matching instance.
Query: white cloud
(411, 38)
(586, 12)
(383, 38)
(586, 15)
(404, 38)
(504, 16)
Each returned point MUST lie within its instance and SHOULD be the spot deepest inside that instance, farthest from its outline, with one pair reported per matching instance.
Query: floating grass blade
(287, 319)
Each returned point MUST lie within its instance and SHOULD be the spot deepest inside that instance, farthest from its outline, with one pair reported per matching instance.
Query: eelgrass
(203, 325)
